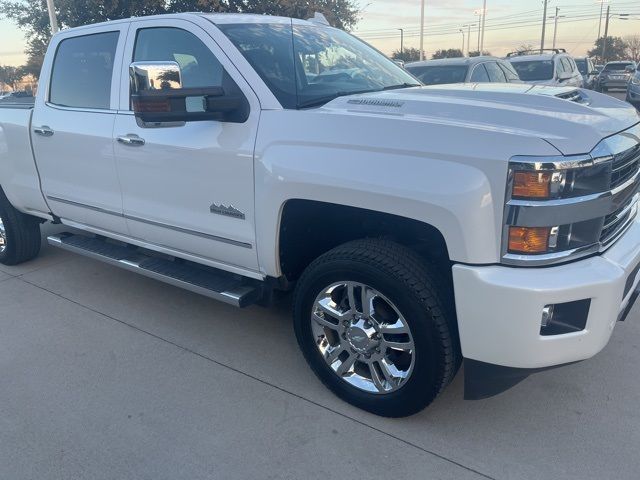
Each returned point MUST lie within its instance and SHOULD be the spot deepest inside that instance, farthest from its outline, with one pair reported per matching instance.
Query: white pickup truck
(239, 156)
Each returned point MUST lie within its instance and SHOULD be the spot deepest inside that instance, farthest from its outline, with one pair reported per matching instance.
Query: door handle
(45, 131)
(131, 140)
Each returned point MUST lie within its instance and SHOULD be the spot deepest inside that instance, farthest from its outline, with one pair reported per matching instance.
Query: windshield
(534, 70)
(617, 66)
(306, 65)
(440, 74)
(582, 66)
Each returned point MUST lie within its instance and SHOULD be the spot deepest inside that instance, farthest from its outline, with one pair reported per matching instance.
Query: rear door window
(479, 74)
(509, 72)
(82, 71)
(496, 74)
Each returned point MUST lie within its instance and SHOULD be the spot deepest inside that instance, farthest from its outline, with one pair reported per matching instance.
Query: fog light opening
(562, 318)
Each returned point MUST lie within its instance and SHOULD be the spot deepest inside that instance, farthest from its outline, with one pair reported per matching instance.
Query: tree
(340, 13)
(10, 76)
(526, 47)
(476, 53)
(633, 42)
(32, 16)
(616, 49)
(408, 55)
(448, 53)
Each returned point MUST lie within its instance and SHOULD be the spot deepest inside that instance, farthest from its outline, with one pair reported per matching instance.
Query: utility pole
(555, 27)
(606, 34)
(422, 31)
(544, 25)
(484, 20)
(479, 25)
(401, 43)
(462, 32)
(602, 2)
(53, 21)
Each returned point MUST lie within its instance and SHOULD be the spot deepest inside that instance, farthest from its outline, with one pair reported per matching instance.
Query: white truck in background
(238, 156)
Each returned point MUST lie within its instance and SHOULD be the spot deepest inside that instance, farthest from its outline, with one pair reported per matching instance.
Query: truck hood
(571, 126)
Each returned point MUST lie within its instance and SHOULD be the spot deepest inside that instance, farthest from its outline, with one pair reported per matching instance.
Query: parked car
(616, 75)
(554, 68)
(463, 70)
(417, 226)
(633, 88)
(588, 71)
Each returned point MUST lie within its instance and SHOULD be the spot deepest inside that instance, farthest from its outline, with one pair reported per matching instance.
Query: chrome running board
(210, 282)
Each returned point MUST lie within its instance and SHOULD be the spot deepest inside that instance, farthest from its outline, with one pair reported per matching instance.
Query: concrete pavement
(106, 374)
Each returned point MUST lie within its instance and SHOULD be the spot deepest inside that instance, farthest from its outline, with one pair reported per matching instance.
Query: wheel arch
(309, 228)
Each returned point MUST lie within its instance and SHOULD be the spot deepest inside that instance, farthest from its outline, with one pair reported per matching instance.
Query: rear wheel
(376, 325)
(19, 234)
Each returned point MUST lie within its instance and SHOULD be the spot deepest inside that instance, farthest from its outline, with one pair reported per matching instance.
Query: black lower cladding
(485, 380)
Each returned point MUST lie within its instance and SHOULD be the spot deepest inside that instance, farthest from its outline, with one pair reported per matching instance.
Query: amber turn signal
(529, 239)
(531, 184)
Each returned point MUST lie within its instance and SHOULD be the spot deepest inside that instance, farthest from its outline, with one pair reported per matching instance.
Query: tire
(21, 236)
(402, 284)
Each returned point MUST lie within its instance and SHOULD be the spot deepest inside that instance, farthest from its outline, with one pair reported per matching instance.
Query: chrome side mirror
(146, 76)
(158, 96)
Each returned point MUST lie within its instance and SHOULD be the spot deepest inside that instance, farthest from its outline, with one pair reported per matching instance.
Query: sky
(509, 24)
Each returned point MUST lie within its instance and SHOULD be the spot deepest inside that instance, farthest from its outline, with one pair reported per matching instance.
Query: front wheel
(377, 327)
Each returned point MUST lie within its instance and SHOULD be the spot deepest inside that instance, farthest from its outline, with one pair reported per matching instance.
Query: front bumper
(500, 308)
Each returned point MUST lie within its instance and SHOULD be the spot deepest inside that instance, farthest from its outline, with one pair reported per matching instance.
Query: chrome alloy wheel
(363, 337)
(3, 237)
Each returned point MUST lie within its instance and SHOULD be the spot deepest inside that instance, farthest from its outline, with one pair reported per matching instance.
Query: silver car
(463, 70)
(616, 75)
(633, 89)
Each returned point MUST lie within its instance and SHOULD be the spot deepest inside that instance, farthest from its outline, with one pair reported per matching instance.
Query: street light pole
(544, 26)
(53, 21)
(422, 31)
(462, 32)
(401, 43)
(469, 37)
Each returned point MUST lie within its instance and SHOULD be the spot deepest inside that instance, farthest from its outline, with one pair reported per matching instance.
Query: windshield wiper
(402, 85)
(316, 102)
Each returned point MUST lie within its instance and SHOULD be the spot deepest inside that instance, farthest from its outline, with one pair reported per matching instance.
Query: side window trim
(121, 30)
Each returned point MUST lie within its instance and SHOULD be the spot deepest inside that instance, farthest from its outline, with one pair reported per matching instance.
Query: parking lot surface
(110, 375)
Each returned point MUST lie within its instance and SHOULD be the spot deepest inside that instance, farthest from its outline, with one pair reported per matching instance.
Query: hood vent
(574, 96)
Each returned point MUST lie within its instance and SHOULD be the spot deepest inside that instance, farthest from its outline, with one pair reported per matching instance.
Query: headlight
(562, 208)
(636, 80)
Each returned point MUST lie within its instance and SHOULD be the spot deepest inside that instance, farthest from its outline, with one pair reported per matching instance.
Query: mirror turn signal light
(529, 239)
(532, 184)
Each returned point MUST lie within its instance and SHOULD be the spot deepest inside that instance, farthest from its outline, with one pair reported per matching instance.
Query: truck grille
(625, 166)
(616, 222)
